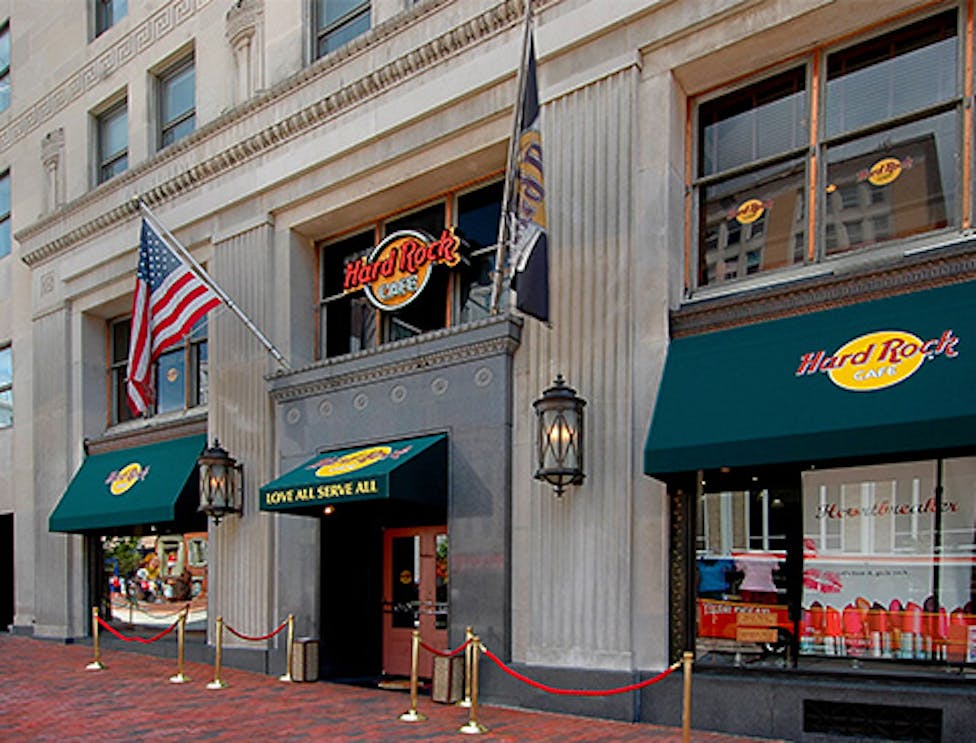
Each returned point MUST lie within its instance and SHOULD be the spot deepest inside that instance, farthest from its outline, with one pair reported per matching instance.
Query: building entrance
(415, 595)
(6, 571)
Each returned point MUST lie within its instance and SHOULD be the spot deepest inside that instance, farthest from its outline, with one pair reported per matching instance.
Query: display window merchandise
(872, 563)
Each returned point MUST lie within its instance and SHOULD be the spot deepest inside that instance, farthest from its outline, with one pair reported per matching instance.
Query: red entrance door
(414, 595)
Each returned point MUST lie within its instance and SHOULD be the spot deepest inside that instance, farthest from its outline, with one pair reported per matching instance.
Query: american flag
(168, 301)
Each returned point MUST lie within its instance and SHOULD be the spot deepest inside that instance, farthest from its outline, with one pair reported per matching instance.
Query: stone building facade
(702, 186)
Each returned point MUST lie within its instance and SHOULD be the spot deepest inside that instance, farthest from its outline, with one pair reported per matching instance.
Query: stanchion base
(95, 665)
(285, 677)
(180, 678)
(217, 684)
(473, 728)
(466, 703)
(412, 715)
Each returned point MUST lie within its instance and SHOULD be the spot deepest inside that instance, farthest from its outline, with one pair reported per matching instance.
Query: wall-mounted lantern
(221, 483)
(559, 442)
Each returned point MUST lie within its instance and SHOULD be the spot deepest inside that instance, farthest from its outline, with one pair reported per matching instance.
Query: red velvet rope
(579, 692)
(256, 639)
(143, 640)
(442, 653)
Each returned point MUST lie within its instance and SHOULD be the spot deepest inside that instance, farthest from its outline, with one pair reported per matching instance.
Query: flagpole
(501, 250)
(213, 285)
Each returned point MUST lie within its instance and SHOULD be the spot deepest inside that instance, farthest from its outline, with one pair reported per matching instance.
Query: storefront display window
(888, 561)
(150, 579)
(453, 293)
(743, 594)
(887, 557)
(888, 131)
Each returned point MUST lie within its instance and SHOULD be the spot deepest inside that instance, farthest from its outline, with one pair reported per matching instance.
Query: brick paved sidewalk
(47, 695)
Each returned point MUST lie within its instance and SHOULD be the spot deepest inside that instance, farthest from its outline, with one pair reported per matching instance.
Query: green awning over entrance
(129, 487)
(890, 376)
(408, 469)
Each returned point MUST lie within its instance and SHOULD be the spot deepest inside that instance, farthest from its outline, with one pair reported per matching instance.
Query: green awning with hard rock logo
(408, 469)
(153, 484)
(889, 377)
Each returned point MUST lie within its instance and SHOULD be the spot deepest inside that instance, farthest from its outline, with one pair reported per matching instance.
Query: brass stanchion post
(686, 660)
(217, 683)
(96, 664)
(291, 649)
(180, 677)
(468, 652)
(473, 727)
(412, 715)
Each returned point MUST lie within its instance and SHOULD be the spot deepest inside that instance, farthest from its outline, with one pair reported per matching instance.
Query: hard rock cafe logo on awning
(119, 481)
(398, 269)
(878, 360)
(355, 460)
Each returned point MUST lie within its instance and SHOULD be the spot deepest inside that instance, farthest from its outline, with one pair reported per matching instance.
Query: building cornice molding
(470, 33)
(147, 431)
(378, 364)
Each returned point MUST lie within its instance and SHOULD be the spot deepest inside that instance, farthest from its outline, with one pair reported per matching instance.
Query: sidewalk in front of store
(48, 695)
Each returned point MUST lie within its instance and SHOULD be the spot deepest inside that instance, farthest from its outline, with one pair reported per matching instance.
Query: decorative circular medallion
(483, 377)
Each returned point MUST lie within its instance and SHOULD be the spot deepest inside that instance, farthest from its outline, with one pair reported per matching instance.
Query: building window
(113, 142)
(5, 214)
(6, 387)
(886, 143)
(177, 107)
(871, 564)
(181, 375)
(339, 22)
(452, 295)
(108, 13)
(4, 67)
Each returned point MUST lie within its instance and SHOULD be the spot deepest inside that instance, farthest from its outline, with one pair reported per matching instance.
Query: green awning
(408, 469)
(136, 486)
(890, 376)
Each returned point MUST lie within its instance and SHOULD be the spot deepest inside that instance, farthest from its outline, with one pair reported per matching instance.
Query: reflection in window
(181, 374)
(177, 106)
(901, 178)
(108, 13)
(6, 387)
(113, 142)
(405, 579)
(752, 222)
(5, 214)
(4, 67)
(890, 134)
(742, 601)
(339, 22)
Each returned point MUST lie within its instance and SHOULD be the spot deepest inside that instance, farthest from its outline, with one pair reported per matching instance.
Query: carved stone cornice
(936, 267)
(392, 360)
(500, 17)
(151, 431)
